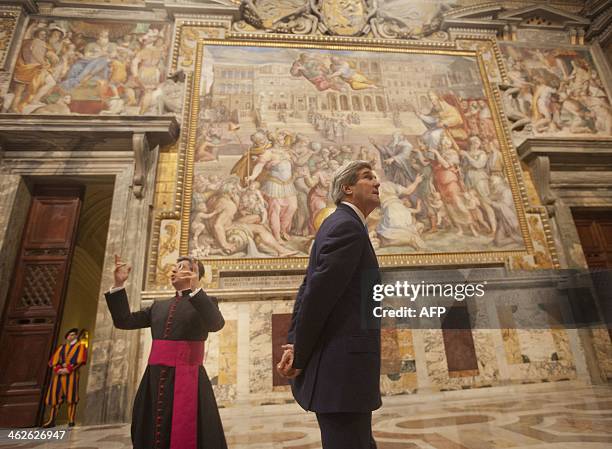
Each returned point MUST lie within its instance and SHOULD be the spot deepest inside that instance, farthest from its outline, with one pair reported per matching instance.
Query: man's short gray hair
(346, 175)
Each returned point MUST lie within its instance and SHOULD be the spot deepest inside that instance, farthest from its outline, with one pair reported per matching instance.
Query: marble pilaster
(14, 206)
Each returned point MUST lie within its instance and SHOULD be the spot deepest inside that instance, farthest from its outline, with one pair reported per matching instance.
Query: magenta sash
(186, 357)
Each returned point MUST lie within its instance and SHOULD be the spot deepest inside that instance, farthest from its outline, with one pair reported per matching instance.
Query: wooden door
(35, 303)
(595, 231)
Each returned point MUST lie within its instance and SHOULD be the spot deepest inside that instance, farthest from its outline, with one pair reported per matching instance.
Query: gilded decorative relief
(393, 19)
(8, 22)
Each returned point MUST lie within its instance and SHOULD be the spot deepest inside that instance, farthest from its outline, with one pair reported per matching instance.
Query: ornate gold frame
(187, 151)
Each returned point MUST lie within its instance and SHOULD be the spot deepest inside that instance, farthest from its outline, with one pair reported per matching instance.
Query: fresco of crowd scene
(557, 91)
(87, 67)
(262, 178)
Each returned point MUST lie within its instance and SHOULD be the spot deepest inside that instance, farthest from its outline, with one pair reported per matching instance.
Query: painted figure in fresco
(318, 195)
(301, 153)
(244, 167)
(332, 359)
(508, 230)
(350, 75)
(447, 179)
(276, 168)
(95, 63)
(545, 106)
(175, 404)
(477, 180)
(147, 69)
(198, 222)
(442, 118)
(315, 71)
(232, 234)
(399, 226)
(32, 76)
(485, 119)
(396, 159)
(66, 363)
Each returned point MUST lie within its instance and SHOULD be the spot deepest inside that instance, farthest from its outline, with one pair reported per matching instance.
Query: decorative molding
(569, 153)
(546, 155)
(506, 22)
(30, 6)
(140, 145)
(10, 18)
(89, 134)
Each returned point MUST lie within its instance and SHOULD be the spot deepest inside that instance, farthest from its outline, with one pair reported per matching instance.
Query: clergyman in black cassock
(184, 320)
(333, 355)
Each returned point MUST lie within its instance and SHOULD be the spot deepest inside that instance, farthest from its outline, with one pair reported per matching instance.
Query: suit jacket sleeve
(296, 311)
(123, 318)
(336, 263)
(208, 309)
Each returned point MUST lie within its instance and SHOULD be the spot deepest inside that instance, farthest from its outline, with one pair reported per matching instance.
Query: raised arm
(117, 301)
(123, 318)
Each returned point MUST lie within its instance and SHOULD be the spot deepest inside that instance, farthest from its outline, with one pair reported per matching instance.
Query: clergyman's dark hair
(192, 261)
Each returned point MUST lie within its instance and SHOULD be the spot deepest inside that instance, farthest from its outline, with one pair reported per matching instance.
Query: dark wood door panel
(26, 366)
(35, 303)
(53, 223)
(38, 286)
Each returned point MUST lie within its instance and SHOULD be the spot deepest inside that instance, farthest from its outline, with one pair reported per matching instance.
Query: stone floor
(563, 415)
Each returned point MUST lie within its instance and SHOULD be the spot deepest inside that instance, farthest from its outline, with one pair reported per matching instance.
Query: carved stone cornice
(601, 25)
(545, 156)
(29, 6)
(156, 8)
(496, 16)
(93, 135)
(569, 153)
(203, 8)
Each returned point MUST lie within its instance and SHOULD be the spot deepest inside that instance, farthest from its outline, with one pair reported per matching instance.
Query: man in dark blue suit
(333, 354)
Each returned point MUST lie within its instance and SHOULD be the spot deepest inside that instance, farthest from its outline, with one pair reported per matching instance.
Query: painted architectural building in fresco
(136, 127)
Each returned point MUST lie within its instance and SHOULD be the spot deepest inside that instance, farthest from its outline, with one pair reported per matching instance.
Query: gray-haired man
(332, 358)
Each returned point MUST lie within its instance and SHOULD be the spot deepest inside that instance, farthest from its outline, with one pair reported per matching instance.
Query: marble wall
(240, 358)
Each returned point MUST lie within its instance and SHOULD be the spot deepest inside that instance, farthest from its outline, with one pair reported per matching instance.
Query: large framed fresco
(271, 122)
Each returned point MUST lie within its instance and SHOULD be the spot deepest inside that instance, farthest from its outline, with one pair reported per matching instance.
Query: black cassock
(180, 318)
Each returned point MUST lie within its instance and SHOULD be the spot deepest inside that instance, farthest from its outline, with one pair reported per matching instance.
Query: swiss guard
(65, 362)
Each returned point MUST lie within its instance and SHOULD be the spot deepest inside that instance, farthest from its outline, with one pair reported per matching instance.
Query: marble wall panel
(281, 322)
(222, 354)
(260, 372)
(405, 379)
(603, 350)
(458, 341)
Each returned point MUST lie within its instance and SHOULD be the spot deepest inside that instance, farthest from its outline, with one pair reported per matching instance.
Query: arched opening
(344, 105)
